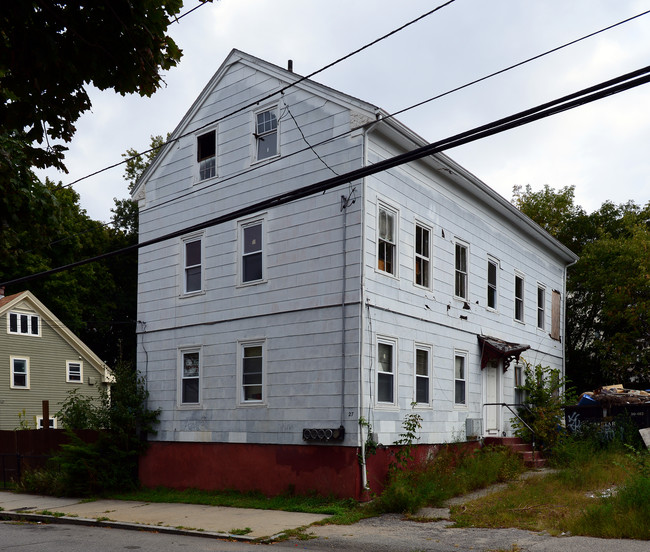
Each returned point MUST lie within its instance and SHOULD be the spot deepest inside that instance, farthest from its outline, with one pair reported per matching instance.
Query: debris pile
(614, 395)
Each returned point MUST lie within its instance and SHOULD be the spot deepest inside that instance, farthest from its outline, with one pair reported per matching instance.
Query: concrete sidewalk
(191, 519)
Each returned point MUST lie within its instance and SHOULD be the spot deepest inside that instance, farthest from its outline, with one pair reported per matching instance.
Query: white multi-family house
(277, 331)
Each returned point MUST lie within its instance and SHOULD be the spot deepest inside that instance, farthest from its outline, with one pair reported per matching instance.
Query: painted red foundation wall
(273, 469)
(270, 469)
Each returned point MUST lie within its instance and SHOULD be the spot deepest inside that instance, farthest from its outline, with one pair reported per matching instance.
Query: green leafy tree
(542, 416)
(123, 420)
(608, 289)
(50, 52)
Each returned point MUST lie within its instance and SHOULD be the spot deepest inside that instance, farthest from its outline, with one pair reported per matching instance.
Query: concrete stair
(532, 459)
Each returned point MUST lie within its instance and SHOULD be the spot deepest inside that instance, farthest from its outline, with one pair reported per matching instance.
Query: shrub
(544, 411)
(110, 463)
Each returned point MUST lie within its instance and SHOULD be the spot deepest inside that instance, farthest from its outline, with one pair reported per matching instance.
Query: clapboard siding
(410, 314)
(303, 384)
(47, 354)
(310, 270)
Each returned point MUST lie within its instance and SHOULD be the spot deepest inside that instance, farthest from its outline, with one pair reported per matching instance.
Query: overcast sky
(602, 149)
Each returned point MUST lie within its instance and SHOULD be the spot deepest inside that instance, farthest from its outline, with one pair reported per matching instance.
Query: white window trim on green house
(20, 323)
(14, 361)
(74, 371)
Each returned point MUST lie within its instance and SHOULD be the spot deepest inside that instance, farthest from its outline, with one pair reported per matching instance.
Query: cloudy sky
(602, 149)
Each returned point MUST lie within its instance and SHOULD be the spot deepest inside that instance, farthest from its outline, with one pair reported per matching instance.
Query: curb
(67, 520)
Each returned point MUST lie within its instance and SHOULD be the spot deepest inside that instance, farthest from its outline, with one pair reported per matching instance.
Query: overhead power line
(312, 147)
(268, 96)
(565, 103)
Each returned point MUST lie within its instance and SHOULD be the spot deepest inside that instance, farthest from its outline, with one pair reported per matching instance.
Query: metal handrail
(518, 405)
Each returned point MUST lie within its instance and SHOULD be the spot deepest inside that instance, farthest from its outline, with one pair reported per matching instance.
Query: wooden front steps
(532, 459)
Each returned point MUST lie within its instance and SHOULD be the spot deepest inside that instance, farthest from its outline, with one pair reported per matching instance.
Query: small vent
(473, 428)
(323, 435)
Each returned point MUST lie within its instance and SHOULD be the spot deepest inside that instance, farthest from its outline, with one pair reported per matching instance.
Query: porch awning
(493, 348)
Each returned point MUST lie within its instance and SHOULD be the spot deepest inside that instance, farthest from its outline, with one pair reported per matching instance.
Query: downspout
(345, 202)
(362, 428)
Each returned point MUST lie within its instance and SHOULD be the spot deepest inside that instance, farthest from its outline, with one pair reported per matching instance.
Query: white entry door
(492, 379)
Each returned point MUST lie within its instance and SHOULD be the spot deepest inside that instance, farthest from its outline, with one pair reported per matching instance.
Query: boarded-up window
(555, 315)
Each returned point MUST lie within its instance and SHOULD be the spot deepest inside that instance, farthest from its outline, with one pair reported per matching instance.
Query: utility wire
(345, 133)
(268, 96)
(565, 103)
(188, 12)
(222, 180)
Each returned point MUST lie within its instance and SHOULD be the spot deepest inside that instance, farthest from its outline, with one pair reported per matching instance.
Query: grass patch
(567, 501)
(311, 504)
(243, 531)
(446, 476)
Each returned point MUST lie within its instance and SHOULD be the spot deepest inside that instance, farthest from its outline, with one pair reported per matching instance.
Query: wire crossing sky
(600, 149)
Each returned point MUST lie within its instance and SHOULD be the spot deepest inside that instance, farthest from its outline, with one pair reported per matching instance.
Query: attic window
(266, 134)
(23, 324)
(206, 155)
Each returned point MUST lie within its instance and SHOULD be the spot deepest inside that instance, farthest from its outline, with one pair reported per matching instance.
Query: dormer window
(266, 134)
(23, 324)
(206, 154)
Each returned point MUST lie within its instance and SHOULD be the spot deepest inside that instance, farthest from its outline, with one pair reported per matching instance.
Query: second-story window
(206, 154)
(519, 298)
(422, 256)
(386, 242)
(252, 260)
(266, 134)
(541, 307)
(192, 260)
(492, 284)
(460, 280)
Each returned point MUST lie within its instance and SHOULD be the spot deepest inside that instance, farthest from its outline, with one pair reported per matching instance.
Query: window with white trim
(460, 378)
(19, 372)
(492, 272)
(74, 371)
(386, 363)
(387, 240)
(252, 261)
(206, 154)
(266, 134)
(520, 394)
(39, 422)
(422, 374)
(519, 298)
(192, 265)
(190, 377)
(252, 372)
(460, 272)
(423, 256)
(23, 324)
(541, 307)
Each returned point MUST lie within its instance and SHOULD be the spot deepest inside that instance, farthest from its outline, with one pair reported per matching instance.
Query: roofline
(482, 190)
(237, 56)
(61, 329)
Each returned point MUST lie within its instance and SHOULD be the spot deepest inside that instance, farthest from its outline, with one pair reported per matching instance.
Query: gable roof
(289, 78)
(385, 124)
(26, 300)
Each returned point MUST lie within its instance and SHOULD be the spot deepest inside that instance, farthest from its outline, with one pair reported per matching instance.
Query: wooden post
(46, 414)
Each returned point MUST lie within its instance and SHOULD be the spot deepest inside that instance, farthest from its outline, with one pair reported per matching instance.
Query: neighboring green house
(41, 359)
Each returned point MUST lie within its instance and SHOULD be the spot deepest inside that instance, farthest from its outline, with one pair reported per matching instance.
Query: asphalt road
(385, 533)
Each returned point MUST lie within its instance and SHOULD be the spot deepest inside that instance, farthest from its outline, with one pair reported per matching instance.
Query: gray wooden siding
(47, 366)
(410, 314)
(296, 309)
(303, 383)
